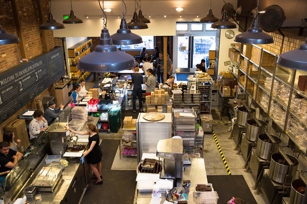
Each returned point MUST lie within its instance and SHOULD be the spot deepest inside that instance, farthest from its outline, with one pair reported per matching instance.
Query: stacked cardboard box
(95, 92)
(158, 97)
(128, 122)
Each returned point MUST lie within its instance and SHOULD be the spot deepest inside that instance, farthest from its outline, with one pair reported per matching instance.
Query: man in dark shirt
(137, 80)
(202, 65)
(52, 112)
(8, 158)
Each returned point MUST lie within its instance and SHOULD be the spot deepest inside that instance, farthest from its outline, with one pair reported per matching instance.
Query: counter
(183, 73)
(196, 173)
(70, 187)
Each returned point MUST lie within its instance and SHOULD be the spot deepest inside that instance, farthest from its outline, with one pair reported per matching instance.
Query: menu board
(21, 84)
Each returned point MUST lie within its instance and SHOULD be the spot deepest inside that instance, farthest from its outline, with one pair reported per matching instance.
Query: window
(181, 26)
(148, 43)
(196, 26)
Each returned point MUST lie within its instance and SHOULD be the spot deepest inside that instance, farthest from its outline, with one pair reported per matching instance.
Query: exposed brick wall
(34, 41)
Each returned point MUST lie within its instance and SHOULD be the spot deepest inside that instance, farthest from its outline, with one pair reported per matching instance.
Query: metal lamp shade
(72, 19)
(209, 18)
(142, 18)
(124, 36)
(6, 38)
(136, 23)
(254, 35)
(223, 23)
(106, 57)
(295, 59)
(51, 24)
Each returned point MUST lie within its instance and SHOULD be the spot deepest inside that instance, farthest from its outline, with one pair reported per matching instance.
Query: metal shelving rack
(274, 89)
(185, 121)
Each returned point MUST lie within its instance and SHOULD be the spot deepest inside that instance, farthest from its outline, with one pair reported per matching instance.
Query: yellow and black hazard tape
(221, 153)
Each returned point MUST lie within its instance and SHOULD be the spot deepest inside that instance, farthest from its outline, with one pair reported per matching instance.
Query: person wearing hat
(52, 112)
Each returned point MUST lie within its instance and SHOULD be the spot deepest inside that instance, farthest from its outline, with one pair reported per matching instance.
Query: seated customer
(9, 138)
(52, 112)
(8, 158)
(37, 125)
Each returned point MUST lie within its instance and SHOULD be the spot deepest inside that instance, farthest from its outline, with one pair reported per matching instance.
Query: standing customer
(151, 82)
(160, 67)
(93, 153)
(147, 65)
(37, 125)
(52, 112)
(142, 54)
(137, 80)
(75, 93)
(9, 137)
(83, 91)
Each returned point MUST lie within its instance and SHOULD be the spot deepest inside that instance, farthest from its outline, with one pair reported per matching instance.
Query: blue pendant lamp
(6, 38)
(72, 19)
(106, 57)
(254, 34)
(51, 24)
(295, 59)
(124, 36)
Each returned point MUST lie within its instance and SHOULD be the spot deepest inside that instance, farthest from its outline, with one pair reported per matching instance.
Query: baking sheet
(28, 113)
(73, 154)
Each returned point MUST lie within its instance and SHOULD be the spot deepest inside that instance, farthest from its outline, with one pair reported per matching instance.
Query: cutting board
(154, 116)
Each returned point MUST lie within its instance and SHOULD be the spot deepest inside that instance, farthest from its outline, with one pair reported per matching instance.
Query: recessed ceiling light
(86, 16)
(108, 10)
(179, 9)
(149, 16)
(180, 16)
(197, 16)
(164, 16)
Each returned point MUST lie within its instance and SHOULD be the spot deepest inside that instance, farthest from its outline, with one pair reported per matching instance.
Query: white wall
(224, 47)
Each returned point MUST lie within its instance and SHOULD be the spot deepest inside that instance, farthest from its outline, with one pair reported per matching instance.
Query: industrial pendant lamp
(106, 57)
(210, 17)
(72, 19)
(124, 36)
(135, 23)
(141, 17)
(295, 59)
(6, 38)
(254, 34)
(223, 23)
(51, 24)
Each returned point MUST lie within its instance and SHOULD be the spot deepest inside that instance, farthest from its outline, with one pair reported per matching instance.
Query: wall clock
(229, 34)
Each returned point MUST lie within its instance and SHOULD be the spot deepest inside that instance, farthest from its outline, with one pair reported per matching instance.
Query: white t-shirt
(82, 92)
(146, 66)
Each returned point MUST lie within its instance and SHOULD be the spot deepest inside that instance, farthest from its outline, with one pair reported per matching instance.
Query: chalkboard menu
(21, 84)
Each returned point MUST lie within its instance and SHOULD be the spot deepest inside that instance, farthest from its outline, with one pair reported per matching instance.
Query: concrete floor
(214, 163)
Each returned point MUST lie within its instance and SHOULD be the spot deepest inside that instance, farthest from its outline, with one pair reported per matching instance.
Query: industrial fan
(271, 18)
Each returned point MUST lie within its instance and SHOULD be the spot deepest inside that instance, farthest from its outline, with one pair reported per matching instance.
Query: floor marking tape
(221, 154)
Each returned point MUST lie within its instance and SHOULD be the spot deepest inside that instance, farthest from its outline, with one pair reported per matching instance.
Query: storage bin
(52, 158)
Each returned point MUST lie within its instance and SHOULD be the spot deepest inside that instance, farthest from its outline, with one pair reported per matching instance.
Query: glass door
(183, 52)
(202, 45)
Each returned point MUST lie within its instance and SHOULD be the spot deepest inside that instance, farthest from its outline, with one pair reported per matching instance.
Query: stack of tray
(187, 97)
(177, 96)
(185, 125)
(196, 97)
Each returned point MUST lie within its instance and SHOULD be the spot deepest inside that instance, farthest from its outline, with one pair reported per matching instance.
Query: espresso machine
(171, 152)
(276, 181)
(58, 137)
